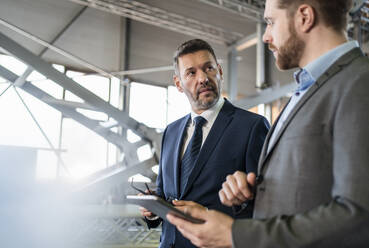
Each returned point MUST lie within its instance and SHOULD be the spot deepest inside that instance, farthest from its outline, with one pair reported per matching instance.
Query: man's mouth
(273, 49)
(205, 90)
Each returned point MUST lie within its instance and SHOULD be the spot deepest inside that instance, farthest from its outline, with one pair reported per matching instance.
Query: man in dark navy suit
(201, 149)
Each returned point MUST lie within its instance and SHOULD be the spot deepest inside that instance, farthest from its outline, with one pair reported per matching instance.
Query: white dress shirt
(210, 115)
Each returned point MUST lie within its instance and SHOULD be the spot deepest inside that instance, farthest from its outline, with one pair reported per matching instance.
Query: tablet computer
(160, 207)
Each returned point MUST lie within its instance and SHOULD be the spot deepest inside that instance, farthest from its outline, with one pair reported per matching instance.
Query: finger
(148, 214)
(251, 178)
(229, 194)
(179, 222)
(243, 185)
(190, 236)
(142, 209)
(180, 203)
(185, 203)
(181, 208)
(197, 212)
(145, 212)
(223, 199)
(234, 185)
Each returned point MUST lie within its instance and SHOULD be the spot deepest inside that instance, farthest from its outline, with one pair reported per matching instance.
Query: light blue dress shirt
(307, 76)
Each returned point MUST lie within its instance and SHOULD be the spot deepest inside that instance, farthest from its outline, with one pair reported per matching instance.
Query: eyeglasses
(140, 190)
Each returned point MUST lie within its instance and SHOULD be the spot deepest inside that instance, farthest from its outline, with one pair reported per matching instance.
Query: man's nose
(202, 77)
(266, 36)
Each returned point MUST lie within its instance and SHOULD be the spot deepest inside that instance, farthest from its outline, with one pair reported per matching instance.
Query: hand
(237, 188)
(144, 212)
(215, 232)
(186, 206)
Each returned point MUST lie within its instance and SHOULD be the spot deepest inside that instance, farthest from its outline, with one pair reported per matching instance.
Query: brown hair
(191, 46)
(332, 12)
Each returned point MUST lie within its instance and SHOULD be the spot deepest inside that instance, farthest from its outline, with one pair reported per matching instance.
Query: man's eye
(190, 73)
(210, 68)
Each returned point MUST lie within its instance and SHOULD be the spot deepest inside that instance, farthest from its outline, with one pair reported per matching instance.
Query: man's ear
(305, 18)
(177, 83)
(220, 71)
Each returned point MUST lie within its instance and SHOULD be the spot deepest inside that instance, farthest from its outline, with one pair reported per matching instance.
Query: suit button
(261, 189)
(259, 179)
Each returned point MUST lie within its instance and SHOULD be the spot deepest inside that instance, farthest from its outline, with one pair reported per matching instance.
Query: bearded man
(201, 149)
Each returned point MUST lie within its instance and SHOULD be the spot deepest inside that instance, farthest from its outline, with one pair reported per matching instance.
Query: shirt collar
(306, 76)
(321, 64)
(211, 113)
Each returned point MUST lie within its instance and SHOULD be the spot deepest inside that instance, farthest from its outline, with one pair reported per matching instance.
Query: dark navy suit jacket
(233, 143)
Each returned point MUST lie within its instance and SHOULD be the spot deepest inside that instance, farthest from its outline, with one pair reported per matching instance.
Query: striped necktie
(192, 152)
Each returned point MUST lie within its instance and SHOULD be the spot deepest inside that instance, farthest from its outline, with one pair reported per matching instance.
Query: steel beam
(151, 15)
(265, 96)
(246, 42)
(113, 177)
(143, 71)
(252, 10)
(68, 110)
(232, 74)
(149, 134)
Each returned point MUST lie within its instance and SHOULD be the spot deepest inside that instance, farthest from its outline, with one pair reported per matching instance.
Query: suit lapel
(264, 149)
(177, 153)
(335, 68)
(223, 119)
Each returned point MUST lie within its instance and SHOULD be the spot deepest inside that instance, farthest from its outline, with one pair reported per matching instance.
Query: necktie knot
(199, 121)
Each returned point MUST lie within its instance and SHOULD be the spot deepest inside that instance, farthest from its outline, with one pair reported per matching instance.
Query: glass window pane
(86, 151)
(96, 84)
(144, 152)
(69, 96)
(74, 74)
(148, 104)
(13, 64)
(178, 105)
(2, 80)
(139, 178)
(114, 93)
(132, 137)
(59, 67)
(50, 88)
(35, 76)
(17, 126)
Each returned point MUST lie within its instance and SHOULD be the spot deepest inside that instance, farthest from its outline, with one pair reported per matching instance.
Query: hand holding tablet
(160, 207)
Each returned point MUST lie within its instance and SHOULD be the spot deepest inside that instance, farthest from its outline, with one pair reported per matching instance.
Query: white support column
(232, 74)
(260, 56)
